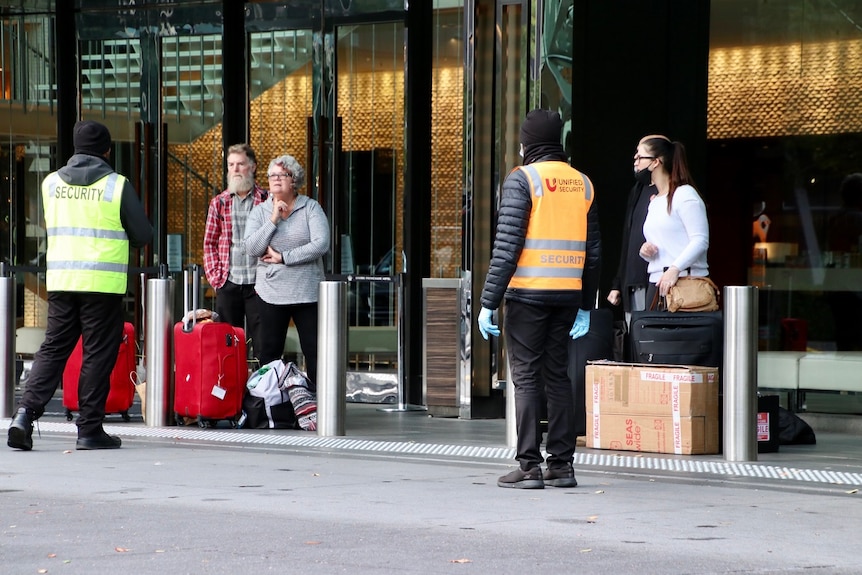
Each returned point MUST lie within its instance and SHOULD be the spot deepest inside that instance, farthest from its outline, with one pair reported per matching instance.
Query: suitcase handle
(189, 324)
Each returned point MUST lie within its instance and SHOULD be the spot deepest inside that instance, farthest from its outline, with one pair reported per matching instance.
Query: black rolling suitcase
(681, 338)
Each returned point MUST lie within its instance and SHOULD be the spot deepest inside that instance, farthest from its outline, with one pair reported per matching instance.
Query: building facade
(406, 120)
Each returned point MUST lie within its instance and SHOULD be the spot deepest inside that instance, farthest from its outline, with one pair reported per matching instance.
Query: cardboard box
(631, 388)
(650, 407)
(653, 433)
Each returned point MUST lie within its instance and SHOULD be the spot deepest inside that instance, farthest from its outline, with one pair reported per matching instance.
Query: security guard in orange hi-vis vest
(545, 265)
(92, 216)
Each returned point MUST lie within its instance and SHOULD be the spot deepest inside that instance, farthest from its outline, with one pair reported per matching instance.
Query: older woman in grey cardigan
(289, 234)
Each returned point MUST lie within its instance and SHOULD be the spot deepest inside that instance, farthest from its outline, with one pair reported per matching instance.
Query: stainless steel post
(740, 373)
(331, 358)
(159, 323)
(7, 342)
(399, 328)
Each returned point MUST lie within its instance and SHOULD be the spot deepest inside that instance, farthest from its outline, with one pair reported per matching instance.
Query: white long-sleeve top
(682, 236)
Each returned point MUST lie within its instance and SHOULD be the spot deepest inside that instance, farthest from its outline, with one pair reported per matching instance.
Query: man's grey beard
(240, 185)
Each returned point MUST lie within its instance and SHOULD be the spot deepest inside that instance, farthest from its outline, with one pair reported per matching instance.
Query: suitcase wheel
(125, 416)
(69, 415)
(179, 420)
(204, 423)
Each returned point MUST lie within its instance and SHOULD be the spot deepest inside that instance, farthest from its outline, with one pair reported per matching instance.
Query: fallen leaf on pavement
(585, 550)
(600, 491)
(51, 555)
(312, 542)
(460, 561)
(121, 550)
(592, 518)
(853, 491)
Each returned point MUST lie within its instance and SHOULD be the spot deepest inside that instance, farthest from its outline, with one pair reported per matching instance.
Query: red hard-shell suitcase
(210, 369)
(122, 392)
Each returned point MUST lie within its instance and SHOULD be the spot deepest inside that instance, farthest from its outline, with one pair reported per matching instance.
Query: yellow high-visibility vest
(555, 246)
(88, 249)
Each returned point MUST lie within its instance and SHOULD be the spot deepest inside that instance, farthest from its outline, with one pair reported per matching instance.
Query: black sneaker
(102, 441)
(520, 479)
(561, 477)
(21, 430)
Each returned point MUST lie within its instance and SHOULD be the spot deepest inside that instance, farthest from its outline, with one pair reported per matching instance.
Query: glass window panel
(447, 148)
(281, 84)
(191, 70)
(370, 101)
(28, 115)
(785, 129)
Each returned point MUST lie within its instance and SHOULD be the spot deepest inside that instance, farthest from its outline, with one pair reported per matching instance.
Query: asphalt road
(162, 506)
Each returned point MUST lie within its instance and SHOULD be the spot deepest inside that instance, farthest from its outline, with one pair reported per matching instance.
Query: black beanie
(541, 126)
(91, 138)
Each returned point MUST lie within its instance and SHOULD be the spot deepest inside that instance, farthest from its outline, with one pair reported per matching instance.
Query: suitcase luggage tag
(218, 391)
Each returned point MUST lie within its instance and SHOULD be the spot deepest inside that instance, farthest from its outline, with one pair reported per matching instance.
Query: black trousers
(238, 305)
(537, 340)
(99, 319)
(273, 332)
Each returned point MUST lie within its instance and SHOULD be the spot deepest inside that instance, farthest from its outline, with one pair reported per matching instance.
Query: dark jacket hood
(84, 169)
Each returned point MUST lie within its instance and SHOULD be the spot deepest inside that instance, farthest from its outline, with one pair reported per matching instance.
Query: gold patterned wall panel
(278, 123)
(447, 151)
(785, 90)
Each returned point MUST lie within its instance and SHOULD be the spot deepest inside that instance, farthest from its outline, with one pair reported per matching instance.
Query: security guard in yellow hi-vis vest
(545, 265)
(92, 217)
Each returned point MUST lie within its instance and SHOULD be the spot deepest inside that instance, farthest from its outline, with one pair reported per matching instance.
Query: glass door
(369, 164)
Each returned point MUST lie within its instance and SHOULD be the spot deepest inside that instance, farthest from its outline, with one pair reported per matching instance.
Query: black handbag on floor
(695, 338)
(598, 343)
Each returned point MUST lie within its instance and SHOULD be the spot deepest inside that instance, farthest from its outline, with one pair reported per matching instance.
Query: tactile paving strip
(612, 460)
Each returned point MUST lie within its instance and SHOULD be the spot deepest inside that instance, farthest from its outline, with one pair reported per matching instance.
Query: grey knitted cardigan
(302, 239)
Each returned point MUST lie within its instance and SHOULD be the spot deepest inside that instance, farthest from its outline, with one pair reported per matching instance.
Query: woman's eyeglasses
(639, 158)
(279, 176)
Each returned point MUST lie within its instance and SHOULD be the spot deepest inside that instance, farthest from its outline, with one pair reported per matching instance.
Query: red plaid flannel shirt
(217, 235)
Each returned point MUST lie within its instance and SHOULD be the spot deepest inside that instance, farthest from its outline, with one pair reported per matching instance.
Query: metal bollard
(740, 373)
(332, 358)
(7, 342)
(160, 297)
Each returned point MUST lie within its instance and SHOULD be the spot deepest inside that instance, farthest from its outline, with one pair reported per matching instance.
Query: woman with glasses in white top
(676, 229)
(289, 234)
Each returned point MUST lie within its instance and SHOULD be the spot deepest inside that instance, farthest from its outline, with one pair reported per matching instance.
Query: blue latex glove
(581, 325)
(485, 325)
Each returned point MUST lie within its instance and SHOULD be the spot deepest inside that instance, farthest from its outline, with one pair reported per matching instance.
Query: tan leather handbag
(692, 294)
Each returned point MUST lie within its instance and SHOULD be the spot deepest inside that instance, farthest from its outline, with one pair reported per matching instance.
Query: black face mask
(644, 177)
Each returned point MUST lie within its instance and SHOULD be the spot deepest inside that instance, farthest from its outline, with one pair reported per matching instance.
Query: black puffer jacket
(512, 220)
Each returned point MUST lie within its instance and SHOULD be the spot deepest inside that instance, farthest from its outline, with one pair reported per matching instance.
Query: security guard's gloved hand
(581, 325)
(485, 325)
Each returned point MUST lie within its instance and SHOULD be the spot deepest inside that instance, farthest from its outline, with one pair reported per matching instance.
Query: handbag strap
(658, 302)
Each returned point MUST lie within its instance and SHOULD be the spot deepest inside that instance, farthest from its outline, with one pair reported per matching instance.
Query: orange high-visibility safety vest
(556, 242)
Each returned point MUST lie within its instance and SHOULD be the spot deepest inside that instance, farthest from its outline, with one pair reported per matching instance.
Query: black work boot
(21, 430)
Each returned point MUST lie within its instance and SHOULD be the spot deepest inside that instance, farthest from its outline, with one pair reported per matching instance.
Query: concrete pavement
(173, 505)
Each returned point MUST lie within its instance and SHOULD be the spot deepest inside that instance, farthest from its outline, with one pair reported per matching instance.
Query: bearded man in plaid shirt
(229, 270)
